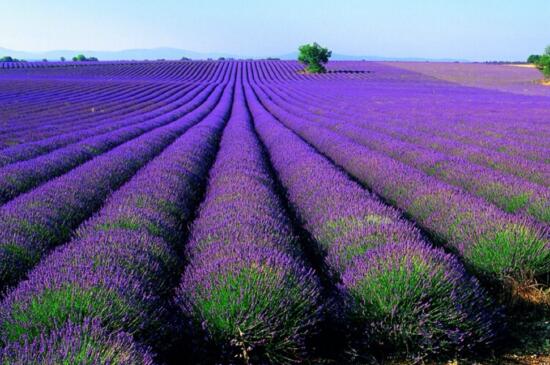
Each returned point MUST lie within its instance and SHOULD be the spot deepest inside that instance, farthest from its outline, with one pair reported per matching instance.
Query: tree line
(77, 58)
(542, 62)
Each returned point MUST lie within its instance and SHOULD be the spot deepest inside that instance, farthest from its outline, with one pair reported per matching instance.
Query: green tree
(534, 58)
(544, 65)
(542, 62)
(8, 59)
(314, 57)
(81, 58)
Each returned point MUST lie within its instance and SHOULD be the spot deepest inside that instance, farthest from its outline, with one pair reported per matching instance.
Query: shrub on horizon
(82, 58)
(8, 59)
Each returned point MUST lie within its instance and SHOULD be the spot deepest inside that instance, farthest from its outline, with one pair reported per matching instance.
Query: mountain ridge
(171, 53)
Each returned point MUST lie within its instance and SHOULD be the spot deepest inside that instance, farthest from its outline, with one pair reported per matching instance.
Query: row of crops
(242, 212)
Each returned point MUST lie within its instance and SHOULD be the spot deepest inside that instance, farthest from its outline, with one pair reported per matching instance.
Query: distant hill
(176, 54)
(129, 54)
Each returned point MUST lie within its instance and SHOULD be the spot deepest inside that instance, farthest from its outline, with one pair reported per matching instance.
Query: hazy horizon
(468, 29)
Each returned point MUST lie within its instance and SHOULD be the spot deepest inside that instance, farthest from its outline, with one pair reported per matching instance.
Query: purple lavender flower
(85, 343)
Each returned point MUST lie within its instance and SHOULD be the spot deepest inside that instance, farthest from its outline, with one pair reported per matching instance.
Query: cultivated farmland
(246, 212)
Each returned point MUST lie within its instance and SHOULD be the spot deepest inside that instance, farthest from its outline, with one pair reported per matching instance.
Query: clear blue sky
(471, 29)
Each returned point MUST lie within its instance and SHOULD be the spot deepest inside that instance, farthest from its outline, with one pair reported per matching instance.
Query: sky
(464, 29)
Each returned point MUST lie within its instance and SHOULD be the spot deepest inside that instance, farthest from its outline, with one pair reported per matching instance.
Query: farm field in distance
(245, 212)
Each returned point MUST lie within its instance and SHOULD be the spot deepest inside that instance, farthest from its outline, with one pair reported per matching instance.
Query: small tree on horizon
(8, 59)
(82, 58)
(544, 65)
(534, 58)
(314, 57)
(542, 62)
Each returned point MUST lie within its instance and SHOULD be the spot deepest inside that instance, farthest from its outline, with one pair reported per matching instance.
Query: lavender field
(244, 212)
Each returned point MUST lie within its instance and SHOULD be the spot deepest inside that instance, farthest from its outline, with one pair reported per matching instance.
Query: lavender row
(32, 103)
(245, 287)
(80, 94)
(26, 151)
(532, 147)
(92, 114)
(395, 287)
(492, 243)
(534, 170)
(507, 192)
(537, 172)
(508, 135)
(205, 71)
(68, 119)
(120, 269)
(33, 223)
(22, 176)
(506, 114)
(64, 96)
(32, 108)
(63, 110)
